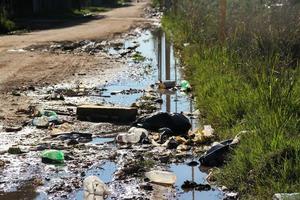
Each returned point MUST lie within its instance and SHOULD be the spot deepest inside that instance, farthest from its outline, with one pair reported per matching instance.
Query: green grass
(267, 160)
(90, 10)
(250, 83)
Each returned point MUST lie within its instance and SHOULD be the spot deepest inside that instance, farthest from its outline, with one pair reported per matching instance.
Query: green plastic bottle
(185, 85)
(49, 113)
(52, 156)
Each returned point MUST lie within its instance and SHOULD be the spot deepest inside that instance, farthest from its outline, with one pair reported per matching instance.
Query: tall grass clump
(248, 82)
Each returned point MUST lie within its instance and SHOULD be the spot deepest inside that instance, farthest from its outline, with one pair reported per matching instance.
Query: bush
(6, 25)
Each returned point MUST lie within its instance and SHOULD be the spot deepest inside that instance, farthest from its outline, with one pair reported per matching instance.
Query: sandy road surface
(112, 22)
(18, 69)
(25, 66)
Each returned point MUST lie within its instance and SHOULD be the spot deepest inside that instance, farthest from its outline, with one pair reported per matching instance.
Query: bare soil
(18, 70)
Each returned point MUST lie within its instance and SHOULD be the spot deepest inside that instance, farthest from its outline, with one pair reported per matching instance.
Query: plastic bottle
(185, 85)
(52, 156)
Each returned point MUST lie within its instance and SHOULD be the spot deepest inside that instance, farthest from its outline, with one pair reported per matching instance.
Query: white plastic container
(162, 177)
(133, 136)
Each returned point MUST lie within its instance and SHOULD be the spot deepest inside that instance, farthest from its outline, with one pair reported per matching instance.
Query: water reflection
(167, 69)
(160, 55)
(192, 173)
(176, 101)
(102, 140)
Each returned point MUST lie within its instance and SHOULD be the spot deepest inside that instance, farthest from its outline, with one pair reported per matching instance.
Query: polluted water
(152, 60)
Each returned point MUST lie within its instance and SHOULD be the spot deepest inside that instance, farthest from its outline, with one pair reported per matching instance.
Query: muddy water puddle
(149, 58)
(159, 64)
(185, 172)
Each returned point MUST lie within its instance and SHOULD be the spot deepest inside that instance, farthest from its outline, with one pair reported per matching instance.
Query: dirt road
(110, 23)
(15, 67)
(19, 69)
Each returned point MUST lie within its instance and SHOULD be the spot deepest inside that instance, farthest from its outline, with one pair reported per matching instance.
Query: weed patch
(249, 83)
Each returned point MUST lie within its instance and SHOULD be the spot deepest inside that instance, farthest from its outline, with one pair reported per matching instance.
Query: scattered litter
(165, 134)
(231, 196)
(133, 136)
(130, 162)
(52, 157)
(16, 93)
(185, 86)
(73, 138)
(177, 122)
(94, 188)
(62, 129)
(181, 140)
(17, 50)
(216, 155)
(55, 96)
(183, 147)
(204, 136)
(162, 177)
(40, 122)
(286, 196)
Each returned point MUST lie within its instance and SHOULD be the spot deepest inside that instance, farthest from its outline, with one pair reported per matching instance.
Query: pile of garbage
(168, 134)
(172, 131)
